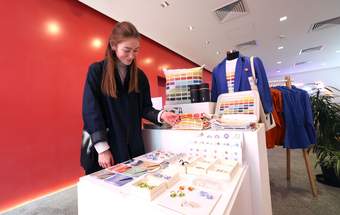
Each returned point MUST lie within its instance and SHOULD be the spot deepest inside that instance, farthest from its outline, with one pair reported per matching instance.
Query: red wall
(42, 76)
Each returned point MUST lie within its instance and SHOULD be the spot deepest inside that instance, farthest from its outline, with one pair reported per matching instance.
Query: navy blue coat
(117, 121)
(219, 83)
(298, 117)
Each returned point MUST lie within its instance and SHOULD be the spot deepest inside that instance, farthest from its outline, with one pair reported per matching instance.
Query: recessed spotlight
(278, 71)
(218, 52)
(97, 43)
(147, 60)
(337, 51)
(190, 28)
(53, 28)
(280, 47)
(279, 62)
(284, 18)
(165, 4)
(163, 67)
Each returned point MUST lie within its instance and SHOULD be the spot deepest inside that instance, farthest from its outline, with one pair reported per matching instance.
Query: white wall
(330, 77)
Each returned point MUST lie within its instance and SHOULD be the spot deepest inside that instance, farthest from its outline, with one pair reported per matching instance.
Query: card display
(120, 168)
(135, 171)
(119, 179)
(102, 174)
(239, 107)
(158, 156)
(224, 169)
(214, 145)
(149, 187)
(185, 198)
(177, 84)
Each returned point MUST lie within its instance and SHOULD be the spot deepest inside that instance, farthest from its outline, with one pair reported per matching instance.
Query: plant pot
(329, 177)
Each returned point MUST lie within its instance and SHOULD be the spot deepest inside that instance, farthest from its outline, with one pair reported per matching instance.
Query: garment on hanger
(275, 136)
(241, 83)
(298, 118)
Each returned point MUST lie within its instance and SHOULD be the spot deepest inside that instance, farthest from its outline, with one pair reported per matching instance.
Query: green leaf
(337, 170)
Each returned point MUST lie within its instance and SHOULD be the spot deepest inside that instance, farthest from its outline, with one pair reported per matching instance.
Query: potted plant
(327, 148)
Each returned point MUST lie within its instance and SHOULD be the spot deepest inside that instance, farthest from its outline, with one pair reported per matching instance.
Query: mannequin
(232, 54)
(232, 57)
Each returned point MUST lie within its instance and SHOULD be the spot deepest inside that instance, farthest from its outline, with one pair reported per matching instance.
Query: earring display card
(188, 199)
(102, 174)
(217, 145)
(158, 156)
(119, 179)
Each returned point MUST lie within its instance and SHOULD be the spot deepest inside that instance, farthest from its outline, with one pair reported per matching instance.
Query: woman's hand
(105, 159)
(170, 118)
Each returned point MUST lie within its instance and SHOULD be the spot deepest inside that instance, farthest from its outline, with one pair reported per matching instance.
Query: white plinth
(254, 155)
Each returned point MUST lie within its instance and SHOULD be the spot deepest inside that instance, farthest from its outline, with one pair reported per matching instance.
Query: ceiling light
(337, 51)
(280, 47)
(323, 64)
(218, 52)
(279, 62)
(190, 28)
(165, 4)
(284, 18)
(282, 36)
(278, 71)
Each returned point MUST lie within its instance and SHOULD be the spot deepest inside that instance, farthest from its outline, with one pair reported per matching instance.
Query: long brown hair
(120, 32)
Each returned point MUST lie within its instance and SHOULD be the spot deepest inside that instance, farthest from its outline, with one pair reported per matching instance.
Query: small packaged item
(149, 187)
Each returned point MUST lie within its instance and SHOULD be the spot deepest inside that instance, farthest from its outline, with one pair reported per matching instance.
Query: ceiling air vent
(246, 44)
(309, 50)
(233, 9)
(325, 24)
(300, 63)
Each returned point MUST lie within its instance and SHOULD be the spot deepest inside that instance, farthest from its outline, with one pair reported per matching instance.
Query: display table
(98, 197)
(254, 155)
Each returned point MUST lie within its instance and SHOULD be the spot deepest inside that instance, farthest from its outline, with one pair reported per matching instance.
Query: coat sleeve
(92, 112)
(263, 86)
(148, 112)
(213, 86)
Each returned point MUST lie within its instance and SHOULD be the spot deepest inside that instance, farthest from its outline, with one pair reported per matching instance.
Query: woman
(116, 98)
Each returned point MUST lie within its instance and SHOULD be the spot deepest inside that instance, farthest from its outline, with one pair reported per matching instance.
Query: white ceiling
(169, 26)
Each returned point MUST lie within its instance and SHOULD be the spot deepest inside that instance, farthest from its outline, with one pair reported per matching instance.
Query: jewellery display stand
(168, 190)
(251, 151)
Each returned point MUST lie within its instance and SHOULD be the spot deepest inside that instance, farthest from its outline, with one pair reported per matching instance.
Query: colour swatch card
(177, 84)
(119, 179)
(187, 199)
(241, 106)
